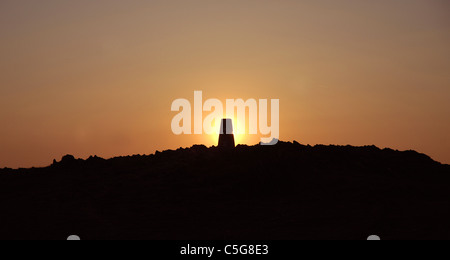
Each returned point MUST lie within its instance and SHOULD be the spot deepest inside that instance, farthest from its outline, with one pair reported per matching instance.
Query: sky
(98, 77)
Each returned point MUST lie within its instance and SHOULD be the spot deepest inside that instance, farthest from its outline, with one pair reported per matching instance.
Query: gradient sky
(97, 77)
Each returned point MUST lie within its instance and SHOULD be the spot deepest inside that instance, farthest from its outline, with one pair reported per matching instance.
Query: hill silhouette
(286, 191)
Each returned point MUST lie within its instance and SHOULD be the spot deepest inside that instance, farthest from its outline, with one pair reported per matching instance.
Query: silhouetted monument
(226, 138)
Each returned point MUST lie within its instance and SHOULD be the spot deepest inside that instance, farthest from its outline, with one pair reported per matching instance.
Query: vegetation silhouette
(286, 191)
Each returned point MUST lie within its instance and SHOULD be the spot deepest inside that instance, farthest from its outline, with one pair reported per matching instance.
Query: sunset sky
(98, 77)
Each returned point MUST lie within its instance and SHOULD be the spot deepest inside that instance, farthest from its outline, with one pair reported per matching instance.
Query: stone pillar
(226, 138)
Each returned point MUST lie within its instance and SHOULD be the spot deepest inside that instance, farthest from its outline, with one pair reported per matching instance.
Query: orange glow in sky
(99, 77)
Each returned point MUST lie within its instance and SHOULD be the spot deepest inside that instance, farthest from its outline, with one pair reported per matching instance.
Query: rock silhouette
(286, 191)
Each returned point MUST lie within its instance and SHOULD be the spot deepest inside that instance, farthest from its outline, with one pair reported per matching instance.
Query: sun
(239, 131)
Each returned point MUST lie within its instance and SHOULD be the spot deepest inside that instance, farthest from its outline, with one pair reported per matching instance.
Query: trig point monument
(226, 138)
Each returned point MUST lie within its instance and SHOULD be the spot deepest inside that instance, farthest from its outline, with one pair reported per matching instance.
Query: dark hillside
(287, 191)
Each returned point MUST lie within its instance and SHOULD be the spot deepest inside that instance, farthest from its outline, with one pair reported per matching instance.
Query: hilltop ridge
(286, 191)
